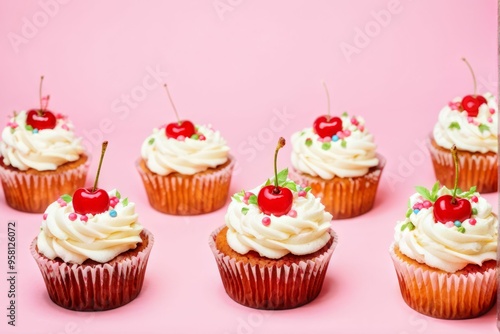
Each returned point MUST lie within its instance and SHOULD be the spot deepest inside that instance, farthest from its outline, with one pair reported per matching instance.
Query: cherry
(42, 118)
(471, 103)
(92, 200)
(327, 126)
(179, 128)
(273, 199)
(450, 207)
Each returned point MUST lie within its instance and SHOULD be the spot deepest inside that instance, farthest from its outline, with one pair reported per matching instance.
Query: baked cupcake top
(203, 150)
(350, 152)
(478, 133)
(303, 229)
(74, 237)
(25, 147)
(447, 245)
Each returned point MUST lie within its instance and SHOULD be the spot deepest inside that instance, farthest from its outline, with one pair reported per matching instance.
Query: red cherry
(86, 201)
(274, 200)
(471, 104)
(326, 126)
(181, 128)
(446, 209)
(41, 119)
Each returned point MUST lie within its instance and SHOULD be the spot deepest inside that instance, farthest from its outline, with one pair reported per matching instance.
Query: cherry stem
(454, 154)
(473, 75)
(172, 103)
(327, 97)
(40, 112)
(281, 143)
(104, 147)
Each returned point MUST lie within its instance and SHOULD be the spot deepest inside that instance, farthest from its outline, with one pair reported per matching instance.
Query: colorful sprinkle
(84, 218)
(490, 119)
(326, 146)
(427, 204)
(60, 116)
(309, 142)
(340, 134)
(470, 119)
(327, 139)
(474, 199)
(347, 133)
(181, 138)
(457, 223)
(292, 213)
(417, 206)
(416, 211)
(472, 221)
(266, 221)
(72, 216)
(201, 137)
(354, 121)
(302, 193)
(335, 138)
(361, 128)
(13, 125)
(195, 136)
(35, 131)
(113, 213)
(492, 111)
(44, 216)
(474, 211)
(65, 127)
(449, 224)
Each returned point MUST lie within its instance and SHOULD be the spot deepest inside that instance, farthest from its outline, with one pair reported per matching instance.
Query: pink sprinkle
(470, 119)
(44, 216)
(340, 134)
(84, 218)
(361, 128)
(303, 185)
(72, 216)
(266, 221)
(347, 133)
(327, 139)
(472, 221)
(302, 193)
(492, 111)
(454, 105)
(354, 121)
(320, 139)
(61, 202)
(427, 204)
(417, 206)
(474, 199)
(245, 200)
(201, 137)
(181, 138)
(490, 119)
(248, 194)
(12, 125)
(65, 127)
(449, 224)
(292, 213)
(60, 116)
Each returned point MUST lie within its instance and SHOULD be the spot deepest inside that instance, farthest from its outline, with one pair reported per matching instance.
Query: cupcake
(470, 123)
(92, 251)
(274, 250)
(186, 169)
(337, 158)
(41, 158)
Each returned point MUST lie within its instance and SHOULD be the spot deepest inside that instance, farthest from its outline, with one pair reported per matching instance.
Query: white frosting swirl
(353, 160)
(445, 247)
(43, 150)
(190, 156)
(304, 234)
(473, 134)
(101, 238)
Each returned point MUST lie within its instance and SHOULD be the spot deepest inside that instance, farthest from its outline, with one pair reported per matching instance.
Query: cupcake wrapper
(94, 287)
(271, 287)
(344, 197)
(177, 194)
(34, 192)
(476, 169)
(445, 295)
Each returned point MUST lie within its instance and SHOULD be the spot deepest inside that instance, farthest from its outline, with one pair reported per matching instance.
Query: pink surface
(253, 70)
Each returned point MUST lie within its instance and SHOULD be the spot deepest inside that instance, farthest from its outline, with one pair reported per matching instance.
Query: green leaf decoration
(474, 211)
(268, 182)
(29, 127)
(454, 125)
(461, 229)
(302, 133)
(345, 114)
(409, 203)
(309, 142)
(483, 127)
(409, 212)
(408, 225)
(151, 141)
(468, 194)
(306, 189)
(244, 210)
(67, 198)
(236, 198)
(282, 176)
(118, 195)
(125, 201)
(343, 143)
(252, 200)
(434, 191)
(424, 192)
(291, 185)
(326, 146)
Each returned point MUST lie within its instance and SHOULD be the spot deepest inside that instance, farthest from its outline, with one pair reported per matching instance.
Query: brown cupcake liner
(445, 295)
(34, 191)
(476, 169)
(94, 287)
(272, 287)
(178, 194)
(344, 197)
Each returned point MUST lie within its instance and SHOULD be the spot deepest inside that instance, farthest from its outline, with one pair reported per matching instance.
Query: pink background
(253, 69)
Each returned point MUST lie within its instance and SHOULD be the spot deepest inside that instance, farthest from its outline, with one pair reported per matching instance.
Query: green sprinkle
(195, 136)
(309, 142)
(67, 198)
(345, 114)
(409, 212)
(326, 146)
(151, 141)
(244, 210)
(118, 195)
(483, 127)
(343, 143)
(29, 127)
(474, 211)
(454, 125)
(408, 225)
(252, 200)
(461, 229)
(125, 201)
